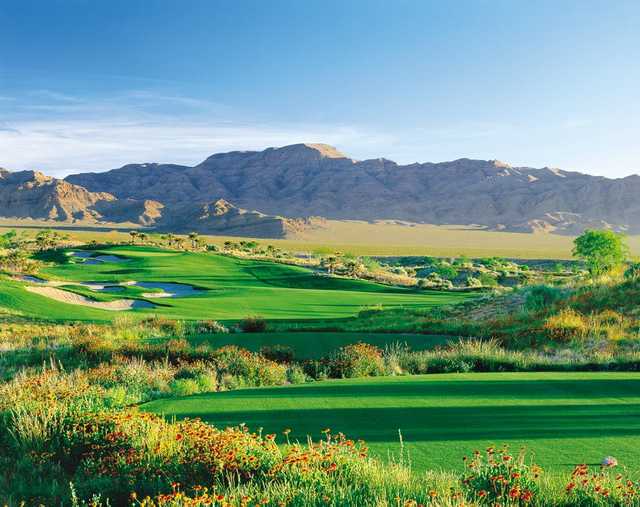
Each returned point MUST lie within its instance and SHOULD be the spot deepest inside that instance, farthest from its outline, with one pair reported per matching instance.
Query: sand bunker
(98, 259)
(76, 299)
(171, 290)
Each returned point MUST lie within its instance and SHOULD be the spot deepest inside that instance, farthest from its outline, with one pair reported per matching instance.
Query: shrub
(248, 367)
(447, 272)
(473, 282)
(541, 297)
(486, 280)
(566, 325)
(254, 324)
(210, 327)
(357, 360)
(633, 271)
(184, 387)
(278, 353)
(296, 375)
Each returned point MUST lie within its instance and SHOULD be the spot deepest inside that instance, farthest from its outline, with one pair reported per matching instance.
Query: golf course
(217, 287)
(561, 418)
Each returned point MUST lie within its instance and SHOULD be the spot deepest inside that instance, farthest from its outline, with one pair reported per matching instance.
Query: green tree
(447, 272)
(8, 239)
(601, 250)
(134, 235)
(633, 271)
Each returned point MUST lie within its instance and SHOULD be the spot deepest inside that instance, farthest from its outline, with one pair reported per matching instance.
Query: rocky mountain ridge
(315, 179)
(305, 180)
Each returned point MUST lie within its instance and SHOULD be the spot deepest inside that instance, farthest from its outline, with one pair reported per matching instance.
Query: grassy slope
(564, 418)
(235, 288)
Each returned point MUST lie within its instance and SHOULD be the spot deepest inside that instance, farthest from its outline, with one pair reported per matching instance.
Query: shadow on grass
(422, 424)
(510, 390)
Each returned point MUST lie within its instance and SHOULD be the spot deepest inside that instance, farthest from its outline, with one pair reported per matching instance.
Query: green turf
(314, 345)
(564, 418)
(233, 288)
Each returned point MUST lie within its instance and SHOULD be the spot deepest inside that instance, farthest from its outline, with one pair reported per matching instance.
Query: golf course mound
(562, 418)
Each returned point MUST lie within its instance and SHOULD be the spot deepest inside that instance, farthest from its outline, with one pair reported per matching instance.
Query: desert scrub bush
(499, 478)
(249, 368)
(171, 327)
(356, 360)
(253, 324)
(487, 280)
(209, 327)
(141, 380)
(296, 374)
(469, 355)
(278, 353)
(566, 325)
(542, 297)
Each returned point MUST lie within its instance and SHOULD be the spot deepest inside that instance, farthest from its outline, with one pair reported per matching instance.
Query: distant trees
(46, 239)
(134, 235)
(601, 250)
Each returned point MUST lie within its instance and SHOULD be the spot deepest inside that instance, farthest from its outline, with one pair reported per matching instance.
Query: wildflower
(570, 487)
(526, 496)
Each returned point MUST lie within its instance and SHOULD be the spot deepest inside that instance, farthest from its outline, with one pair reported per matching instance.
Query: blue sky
(93, 84)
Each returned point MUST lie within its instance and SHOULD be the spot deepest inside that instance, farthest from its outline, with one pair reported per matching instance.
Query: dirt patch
(76, 299)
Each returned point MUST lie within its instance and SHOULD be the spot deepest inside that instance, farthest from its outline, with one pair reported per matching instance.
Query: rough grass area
(563, 418)
(232, 288)
(315, 345)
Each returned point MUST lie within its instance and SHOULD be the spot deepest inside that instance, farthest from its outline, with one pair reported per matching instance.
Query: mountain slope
(315, 179)
(31, 194)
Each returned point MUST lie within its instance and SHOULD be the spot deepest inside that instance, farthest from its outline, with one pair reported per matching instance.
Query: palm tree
(330, 263)
(179, 242)
(353, 268)
(143, 237)
(134, 235)
(193, 236)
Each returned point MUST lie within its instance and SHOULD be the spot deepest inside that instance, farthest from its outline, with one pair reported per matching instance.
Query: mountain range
(273, 192)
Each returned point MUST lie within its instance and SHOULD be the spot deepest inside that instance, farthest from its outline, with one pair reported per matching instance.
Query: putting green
(563, 418)
(232, 288)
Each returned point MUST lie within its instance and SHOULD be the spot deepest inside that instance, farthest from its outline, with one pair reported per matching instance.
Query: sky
(90, 85)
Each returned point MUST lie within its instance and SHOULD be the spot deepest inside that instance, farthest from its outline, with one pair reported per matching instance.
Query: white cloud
(62, 133)
(60, 147)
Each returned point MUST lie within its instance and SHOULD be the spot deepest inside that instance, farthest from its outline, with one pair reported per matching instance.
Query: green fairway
(231, 288)
(563, 418)
(314, 345)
